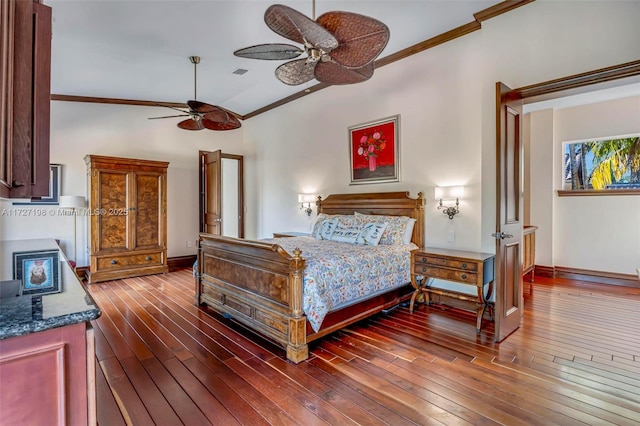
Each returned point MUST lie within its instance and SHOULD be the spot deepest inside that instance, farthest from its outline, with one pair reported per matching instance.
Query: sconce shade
(72, 201)
(306, 198)
(448, 192)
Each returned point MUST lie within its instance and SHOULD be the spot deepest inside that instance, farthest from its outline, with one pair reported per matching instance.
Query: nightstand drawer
(446, 274)
(447, 263)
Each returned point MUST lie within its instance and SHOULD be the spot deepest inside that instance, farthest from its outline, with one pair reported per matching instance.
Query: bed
(260, 283)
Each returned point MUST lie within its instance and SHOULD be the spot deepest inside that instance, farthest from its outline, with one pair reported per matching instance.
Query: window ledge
(597, 192)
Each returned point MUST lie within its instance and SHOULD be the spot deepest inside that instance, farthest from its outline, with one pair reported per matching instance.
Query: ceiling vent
(239, 71)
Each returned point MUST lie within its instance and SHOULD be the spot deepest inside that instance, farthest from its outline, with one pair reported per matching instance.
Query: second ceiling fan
(340, 46)
(202, 115)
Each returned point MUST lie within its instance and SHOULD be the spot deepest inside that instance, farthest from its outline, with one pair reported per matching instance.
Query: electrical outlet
(189, 244)
(452, 236)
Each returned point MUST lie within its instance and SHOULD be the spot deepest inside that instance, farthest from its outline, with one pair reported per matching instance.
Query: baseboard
(612, 278)
(180, 262)
(81, 272)
(545, 271)
(174, 263)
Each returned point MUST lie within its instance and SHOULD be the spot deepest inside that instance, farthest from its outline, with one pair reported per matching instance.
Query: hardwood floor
(574, 360)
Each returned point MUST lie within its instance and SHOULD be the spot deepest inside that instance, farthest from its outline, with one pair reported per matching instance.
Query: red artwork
(374, 152)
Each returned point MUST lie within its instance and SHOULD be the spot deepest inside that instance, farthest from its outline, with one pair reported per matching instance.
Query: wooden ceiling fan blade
(200, 107)
(270, 51)
(231, 124)
(360, 38)
(218, 115)
(291, 24)
(190, 124)
(334, 73)
(168, 116)
(295, 72)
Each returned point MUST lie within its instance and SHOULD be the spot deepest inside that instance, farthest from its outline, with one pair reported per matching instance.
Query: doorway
(509, 285)
(221, 199)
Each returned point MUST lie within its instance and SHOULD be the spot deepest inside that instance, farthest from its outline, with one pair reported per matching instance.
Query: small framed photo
(374, 151)
(38, 271)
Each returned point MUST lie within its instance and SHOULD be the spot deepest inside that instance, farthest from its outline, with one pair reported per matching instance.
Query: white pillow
(345, 234)
(408, 231)
(370, 233)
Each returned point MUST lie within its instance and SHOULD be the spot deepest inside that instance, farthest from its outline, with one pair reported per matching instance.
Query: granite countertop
(59, 301)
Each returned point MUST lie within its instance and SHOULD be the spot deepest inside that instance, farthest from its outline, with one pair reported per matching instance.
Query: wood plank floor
(575, 360)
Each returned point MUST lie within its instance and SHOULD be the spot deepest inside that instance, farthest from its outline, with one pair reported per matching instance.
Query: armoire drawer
(124, 261)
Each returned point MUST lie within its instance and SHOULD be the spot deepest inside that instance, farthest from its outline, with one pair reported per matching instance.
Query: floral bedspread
(339, 273)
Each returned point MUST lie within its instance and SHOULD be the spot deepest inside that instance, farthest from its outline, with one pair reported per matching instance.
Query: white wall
(445, 97)
(599, 233)
(78, 129)
(446, 100)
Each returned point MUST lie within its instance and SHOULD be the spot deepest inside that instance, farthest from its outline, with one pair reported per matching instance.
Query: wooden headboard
(381, 203)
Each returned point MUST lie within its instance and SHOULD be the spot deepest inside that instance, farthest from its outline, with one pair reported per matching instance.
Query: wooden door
(216, 192)
(509, 298)
(211, 192)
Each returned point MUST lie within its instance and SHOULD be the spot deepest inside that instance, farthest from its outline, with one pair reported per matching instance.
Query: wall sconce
(449, 193)
(305, 201)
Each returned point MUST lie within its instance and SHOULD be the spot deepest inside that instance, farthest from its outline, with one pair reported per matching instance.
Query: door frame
(625, 73)
(204, 190)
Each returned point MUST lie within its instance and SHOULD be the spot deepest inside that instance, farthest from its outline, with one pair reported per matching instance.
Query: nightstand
(465, 267)
(290, 234)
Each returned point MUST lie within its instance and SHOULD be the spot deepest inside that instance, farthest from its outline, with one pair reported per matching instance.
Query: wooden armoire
(128, 217)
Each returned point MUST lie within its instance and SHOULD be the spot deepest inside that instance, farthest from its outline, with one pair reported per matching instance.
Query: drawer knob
(464, 266)
(113, 262)
(147, 258)
(463, 276)
(424, 269)
(424, 259)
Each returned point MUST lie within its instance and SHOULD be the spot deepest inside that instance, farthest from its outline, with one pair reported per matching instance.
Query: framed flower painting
(374, 151)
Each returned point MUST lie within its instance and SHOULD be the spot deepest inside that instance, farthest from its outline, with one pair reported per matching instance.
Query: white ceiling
(140, 49)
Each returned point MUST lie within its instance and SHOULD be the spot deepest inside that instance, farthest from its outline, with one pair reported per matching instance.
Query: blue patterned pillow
(325, 224)
(371, 233)
(345, 234)
(394, 234)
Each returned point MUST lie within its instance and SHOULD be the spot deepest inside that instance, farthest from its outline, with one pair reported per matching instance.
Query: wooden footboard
(258, 284)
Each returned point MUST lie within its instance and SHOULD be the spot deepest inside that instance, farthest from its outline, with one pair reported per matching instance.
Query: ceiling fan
(340, 46)
(202, 115)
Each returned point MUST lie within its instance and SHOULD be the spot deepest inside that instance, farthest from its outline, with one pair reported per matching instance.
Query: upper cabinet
(25, 90)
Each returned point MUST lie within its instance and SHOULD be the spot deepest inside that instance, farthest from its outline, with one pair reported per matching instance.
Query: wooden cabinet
(51, 375)
(476, 269)
(25, 91)
(128, 220)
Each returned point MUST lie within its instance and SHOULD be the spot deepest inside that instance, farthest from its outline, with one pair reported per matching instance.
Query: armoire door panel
(147, 210)
(112, 211)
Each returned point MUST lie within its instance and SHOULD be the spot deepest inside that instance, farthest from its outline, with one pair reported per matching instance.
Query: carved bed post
(297, 348)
